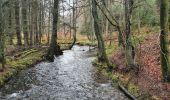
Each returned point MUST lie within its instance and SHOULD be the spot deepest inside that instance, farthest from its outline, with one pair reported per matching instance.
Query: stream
(69, 77)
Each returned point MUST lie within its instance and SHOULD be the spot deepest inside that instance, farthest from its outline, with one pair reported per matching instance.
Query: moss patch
(115, 78)
(133, 89)
(110, 49)
(24, 60)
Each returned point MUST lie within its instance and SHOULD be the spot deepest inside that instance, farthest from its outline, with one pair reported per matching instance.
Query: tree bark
(17, 20)
(36, 24)
(25, 22)
(2, 39)
(165, 60)
(10, 27)
(70, 24)
(31, 24)
(129, 47)
(101, 47)
(40, 21)
(74, 23)
(54, 48)
(64, 28)
(49, 24)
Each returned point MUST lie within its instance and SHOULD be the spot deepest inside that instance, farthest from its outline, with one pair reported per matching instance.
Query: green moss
(109, 74)
(28, 52)
(23, 63)
(133, 89)
(26, 59)
(115, 79)
(138, 39)
(110, 49)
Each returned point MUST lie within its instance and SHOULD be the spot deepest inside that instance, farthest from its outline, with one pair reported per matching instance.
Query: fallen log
(125, 91)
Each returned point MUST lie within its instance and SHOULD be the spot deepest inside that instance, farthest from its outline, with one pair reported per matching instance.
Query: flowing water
(69, 77)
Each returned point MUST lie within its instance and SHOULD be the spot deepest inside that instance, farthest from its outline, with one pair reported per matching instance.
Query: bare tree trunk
(31, 24)
(54, 48)
(17, 19)
(49, 23)
(43, 22)
(25, 22)
(164, 40)
(40, 20)
(70, 24)
(139, 21)
(74, 23)
(102, 57)
(36, 35)
(2, 40)
(129, 47)
(36, 28)
(64, 29)
(10, 27)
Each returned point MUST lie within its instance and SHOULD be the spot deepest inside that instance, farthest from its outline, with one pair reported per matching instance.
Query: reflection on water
(69, 77)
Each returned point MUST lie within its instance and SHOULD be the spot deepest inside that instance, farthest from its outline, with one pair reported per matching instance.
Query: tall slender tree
(54, 49)
(129, 47)
(17, 20)
(25, 22)
(102, 57)
(31, 22)
(74, 8)
(49, 22)
(164, 40)
(36, 33)
(10, 31)
(40, 20)
(2, 36)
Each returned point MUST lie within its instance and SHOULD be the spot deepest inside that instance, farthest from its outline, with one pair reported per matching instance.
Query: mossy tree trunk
(129, 47)
(2, 39)
(54, 48)
(102, 57)
(164, 40)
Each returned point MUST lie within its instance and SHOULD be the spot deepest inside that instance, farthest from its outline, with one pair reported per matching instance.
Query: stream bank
(21, 61)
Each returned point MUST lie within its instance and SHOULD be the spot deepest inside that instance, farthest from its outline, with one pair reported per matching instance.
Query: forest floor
(146, 83)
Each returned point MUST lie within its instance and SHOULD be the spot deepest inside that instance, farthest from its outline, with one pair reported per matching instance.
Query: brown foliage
(148, 59)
